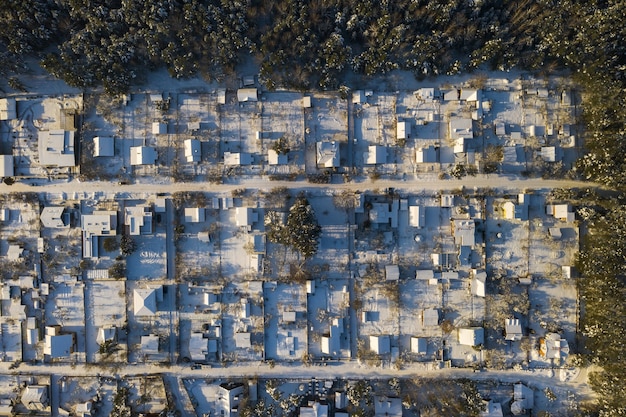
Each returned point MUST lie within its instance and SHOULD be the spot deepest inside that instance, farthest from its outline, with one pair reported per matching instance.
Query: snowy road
(503, 183)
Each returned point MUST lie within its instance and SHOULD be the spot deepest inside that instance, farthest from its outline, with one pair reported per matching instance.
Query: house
(461, 128)
(375, 155)
(237, 159)
(470, 95)
(500, 128)
(523, 399)
(562, 212)
(229, 396)
(8, 108)
(99, 223)
(385, 213)
(35, 397)
(471, 336)
(192, 150)
(57, 344)
(245, 95)
(416, 216)
(403, 129)
(246, 217)
(221, 96)
(426, 94)
(478, 284)
(492, 409)
(465, 232)
(145, 302)
(194, 215)
(358, 97)
(242, 340)
(306, 102)
(513, 330)
(289, 317)
(548, 153)
(142, 155)
(392, 272)
(314, 409)
(138, 220)
(430, 317)
(150, 344)
(555, 233)
(553, 346)
(103, 146)
(156, 98)
(331, 342)
(56, 148)
(198, 347)
(450, 95)
(52, 216)
(387, 407)
(7, 168)
(419, 345)
(106, 334)
(381, 344)
(426, 155)
(275, 158)
(327, 154)
(519, 210)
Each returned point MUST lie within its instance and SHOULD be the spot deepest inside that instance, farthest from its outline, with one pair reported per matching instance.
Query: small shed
(419, 345)
(392, 272)
(403, 129)
(471, 336)
(103, 146)
(380, 344)
(513, 330)
(192, 150)
(375, 154)
(159, 128)
(247, 95)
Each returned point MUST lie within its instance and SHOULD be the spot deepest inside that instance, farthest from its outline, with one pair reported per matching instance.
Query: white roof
(426, 154)
(392, 272)
(419, 345)
(465, 232)
(100, 223)
(548, 153)
(58, 346)
(8, 109)
(380, 344)
(387, 407)
(103, 146)
(35, 397)
(142, 155)
(138, 219)
(274, 158)
(402, 129)
(7, 168)
(237, 158)
(52, 217)
(478, 283)
(327, 154)
(221, 96)
(376, 154)
(314, 410)
(56, 148)
(242, 340)
(470, 94)
(430, 317)
(247, 94)
(144, 302)
(192, 150)
(194, 215)
(246, 216)
(461, 128)
(513, 329)
(198, 347)
(416, 216)
(150, 344)
(471, 336)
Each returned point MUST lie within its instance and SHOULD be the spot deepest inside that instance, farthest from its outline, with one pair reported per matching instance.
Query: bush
(127, 245)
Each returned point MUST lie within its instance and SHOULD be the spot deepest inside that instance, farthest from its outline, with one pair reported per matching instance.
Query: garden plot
(11, 338)
(379, 314)
(149, 260)
(327, 311)
(333, 250)
(18, 238)
(507, 243)
(237, 256)
(196, 257)
(285, 321)
(327, 120)
(65, 307)
(147, 394)
(417, 318)
(200, 309)
(105, 308)
(155, 317)
(238, 125)
(76, 392)
(12, 388)
(138, 116)
(242, 321)
(283, 117)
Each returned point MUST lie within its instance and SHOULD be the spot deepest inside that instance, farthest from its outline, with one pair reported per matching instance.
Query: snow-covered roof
(419, 345)
(465, 232)
(513, 329)
(314, 410)
(52, 216)
(103, 146)
(328, 154)
(376, 154)
(8, 109)
(192, 150)
(194, 215)
(403, 128)
(59, 345)
(144, 302)
(246, 216)
(430, 317)
(142, 155)
(138, 220)
(35, 397)
(7, 168)
(150, 344)
(99, 223)
(242, 340)
(275, 158)
(56, 148)
(461, 128)
(392, 272)
(426, 154)
(247, 94)
(380, 344)
(237, 158)
(387, 407)
(198, 347)
(471, 336)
